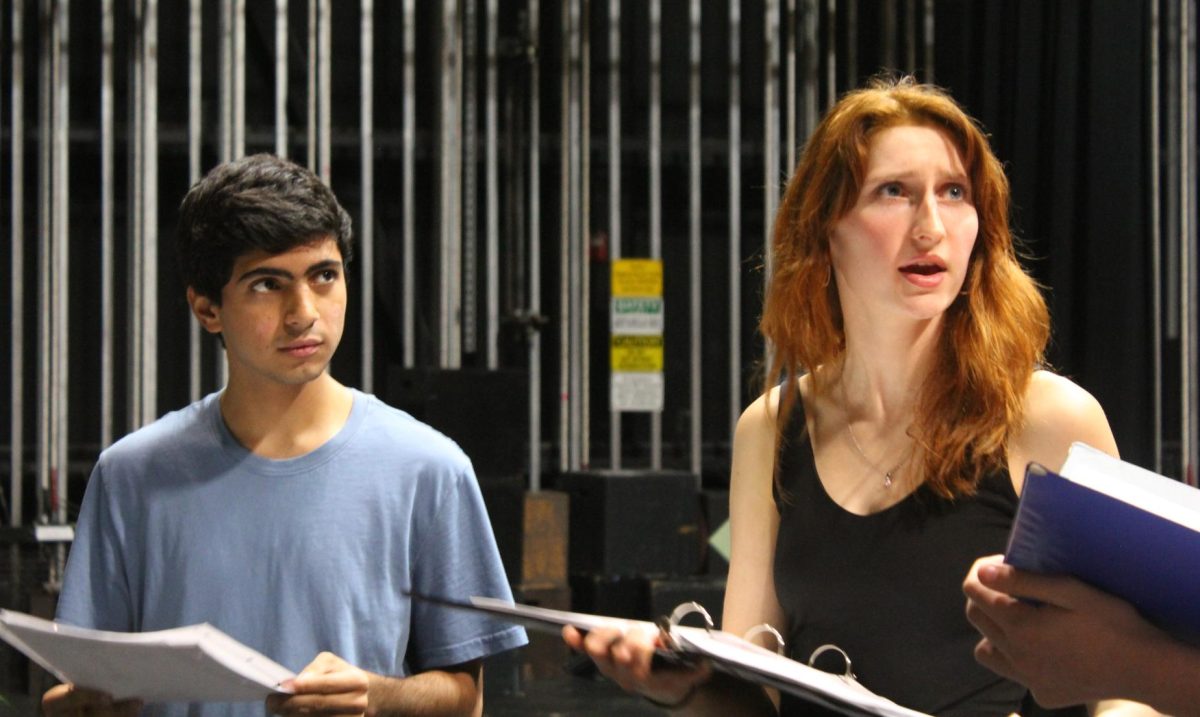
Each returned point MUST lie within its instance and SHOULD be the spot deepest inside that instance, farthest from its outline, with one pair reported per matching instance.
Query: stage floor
(566, 695)
(547, 697)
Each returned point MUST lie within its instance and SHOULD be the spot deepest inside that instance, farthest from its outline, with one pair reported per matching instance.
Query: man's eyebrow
(324, 266)
(266, 271)
(261, 271)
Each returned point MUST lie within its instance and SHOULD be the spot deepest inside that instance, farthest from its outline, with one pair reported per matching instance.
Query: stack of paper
(198, 663)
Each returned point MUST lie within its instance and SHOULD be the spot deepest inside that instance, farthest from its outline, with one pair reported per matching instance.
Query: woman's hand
(626, 659)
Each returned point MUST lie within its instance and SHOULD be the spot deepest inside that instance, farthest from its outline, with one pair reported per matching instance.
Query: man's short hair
(256, 203)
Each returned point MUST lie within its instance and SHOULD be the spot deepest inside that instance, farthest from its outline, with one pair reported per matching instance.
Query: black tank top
(886, 587)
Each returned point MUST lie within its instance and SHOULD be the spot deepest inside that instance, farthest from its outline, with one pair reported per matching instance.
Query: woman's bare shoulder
(1057, 412)
(762, 415)
(1056, 404)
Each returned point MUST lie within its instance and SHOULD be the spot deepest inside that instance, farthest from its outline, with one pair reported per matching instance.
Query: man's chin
(304, 375)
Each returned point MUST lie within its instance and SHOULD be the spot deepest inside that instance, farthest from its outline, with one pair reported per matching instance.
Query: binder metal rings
(764, 627)
(812, 659)
(684, 609)
(681, 611)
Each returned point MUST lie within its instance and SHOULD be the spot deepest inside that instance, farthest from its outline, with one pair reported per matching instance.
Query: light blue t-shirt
(180, 524)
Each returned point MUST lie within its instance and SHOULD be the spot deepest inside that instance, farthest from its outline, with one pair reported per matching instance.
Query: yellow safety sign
(637, 277)
(637, 353)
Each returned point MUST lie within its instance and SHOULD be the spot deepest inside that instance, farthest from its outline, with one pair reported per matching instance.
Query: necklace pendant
(887, 479)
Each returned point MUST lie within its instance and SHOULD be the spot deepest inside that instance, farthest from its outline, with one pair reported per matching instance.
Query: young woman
(904, 401)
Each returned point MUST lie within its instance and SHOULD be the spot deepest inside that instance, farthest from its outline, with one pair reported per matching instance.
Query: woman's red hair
(994, 333)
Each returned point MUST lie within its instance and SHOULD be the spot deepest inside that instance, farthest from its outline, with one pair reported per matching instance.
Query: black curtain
(1063, 88)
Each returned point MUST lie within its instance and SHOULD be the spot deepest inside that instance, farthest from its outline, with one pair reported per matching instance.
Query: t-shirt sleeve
(95, 590)
(457, 558)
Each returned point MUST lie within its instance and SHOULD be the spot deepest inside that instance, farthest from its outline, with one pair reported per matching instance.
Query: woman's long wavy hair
(993, 334)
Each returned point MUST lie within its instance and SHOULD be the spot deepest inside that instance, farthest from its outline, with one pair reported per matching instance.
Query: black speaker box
(633, 522)
(610, 595)
(485, 411)
(505, 501)
(664, 594)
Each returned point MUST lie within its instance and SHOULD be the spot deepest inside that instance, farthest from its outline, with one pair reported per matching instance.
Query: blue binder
(1123, 529)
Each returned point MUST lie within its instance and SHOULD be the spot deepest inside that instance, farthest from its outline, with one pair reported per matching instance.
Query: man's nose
(302, 308)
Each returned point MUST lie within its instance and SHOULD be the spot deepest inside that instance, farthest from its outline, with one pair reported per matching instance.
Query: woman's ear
(206, 311)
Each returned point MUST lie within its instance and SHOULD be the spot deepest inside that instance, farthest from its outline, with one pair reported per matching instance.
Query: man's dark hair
(256, 203)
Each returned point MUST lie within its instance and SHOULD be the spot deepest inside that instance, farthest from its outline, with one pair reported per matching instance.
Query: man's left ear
(206, 311)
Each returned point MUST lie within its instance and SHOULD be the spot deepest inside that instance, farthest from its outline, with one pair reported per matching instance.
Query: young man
(288, 510)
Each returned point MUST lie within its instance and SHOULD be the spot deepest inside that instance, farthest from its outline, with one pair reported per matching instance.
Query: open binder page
(727, 653)
(741, 658)
(198, 663)
(545, 619)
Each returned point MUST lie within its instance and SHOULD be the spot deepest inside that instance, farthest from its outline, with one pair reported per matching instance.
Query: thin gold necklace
(888, 476)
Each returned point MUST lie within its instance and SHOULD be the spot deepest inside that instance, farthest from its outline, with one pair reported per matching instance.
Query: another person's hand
(1069, 646)
(69, 701)
(327, 686)
(626, 657)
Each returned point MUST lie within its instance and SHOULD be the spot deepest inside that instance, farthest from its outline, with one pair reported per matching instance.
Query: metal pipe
(572, 229)
(46, 396)
(492, 188)
(17, 282)
(770, 144)
(324, 90)
(450, 200)
(583, 241)
(407, 238)
(445, 198)
(136, 248)
(656, 187)
(470, 191)
(1190, 380)
(281, 77)
(107, 265)
(149, 215)
(569, 278)
(565, 424)
(735, 215)
(535, 252)
(195, 129)
(225, 142)
(1173, 145)
(1156, 234)
(770, 131)
(52, 261)
(238, 129)
(311, 98)
(811, 82)
(367, 181)
(695, 281)
(62, 259)
(226, 30)
(789, 74)
(1186, 256)
(614, 186)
